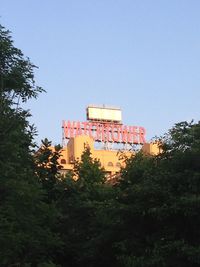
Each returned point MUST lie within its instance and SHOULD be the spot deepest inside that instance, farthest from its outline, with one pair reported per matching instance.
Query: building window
(63, 161)
(110, 164)
(118, 165)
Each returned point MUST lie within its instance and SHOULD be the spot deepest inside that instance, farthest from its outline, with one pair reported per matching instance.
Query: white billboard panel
(104, 114)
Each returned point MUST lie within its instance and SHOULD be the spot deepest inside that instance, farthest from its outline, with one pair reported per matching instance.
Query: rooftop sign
(105, 132)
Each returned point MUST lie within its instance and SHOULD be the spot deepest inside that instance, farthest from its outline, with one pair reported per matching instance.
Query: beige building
(109, 159)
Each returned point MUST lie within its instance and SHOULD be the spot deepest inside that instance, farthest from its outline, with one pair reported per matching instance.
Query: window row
(110, 164)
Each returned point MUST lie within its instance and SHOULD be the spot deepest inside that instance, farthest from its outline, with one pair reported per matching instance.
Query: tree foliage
(24, 240)
(161, 202)
(48, 168)
(88, 171)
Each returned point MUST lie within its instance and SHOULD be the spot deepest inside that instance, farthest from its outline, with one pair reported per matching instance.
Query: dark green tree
(48, 168)
(87, 206)
(160, 203)
(88, 171)
(26, 220)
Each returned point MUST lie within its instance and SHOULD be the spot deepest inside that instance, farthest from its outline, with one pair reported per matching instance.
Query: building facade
(109, 159)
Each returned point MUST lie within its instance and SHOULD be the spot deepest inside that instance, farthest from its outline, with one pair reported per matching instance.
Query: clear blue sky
(140, 55)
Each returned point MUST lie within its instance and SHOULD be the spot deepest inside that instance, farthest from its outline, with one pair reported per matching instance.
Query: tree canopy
(161, 200)
(23, 213)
